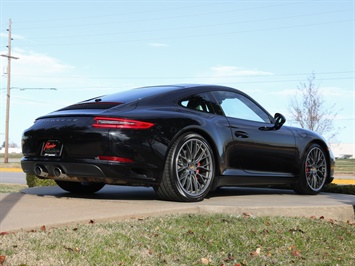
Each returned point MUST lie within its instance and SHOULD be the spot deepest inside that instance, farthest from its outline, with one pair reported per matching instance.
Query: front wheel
(80, 187)
(189, 170)
(314, 171)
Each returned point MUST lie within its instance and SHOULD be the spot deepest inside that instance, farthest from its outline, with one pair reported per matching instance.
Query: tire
(314, 171)
(189, 170)
(80, 187)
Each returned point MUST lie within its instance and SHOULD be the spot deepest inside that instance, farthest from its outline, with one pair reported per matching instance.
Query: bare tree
(309, 110)
(13, 145)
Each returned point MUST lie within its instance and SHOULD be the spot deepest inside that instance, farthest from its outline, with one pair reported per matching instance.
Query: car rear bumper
(90, 170)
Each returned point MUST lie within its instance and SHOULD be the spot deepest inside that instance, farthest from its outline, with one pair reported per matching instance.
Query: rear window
(90, 106)
(134, 94)
(112, 100)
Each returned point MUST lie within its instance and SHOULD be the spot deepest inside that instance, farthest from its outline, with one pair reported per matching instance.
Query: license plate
(52, 148)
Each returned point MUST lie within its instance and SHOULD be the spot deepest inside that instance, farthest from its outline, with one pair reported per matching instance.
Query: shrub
(342, 189)
(34, 181)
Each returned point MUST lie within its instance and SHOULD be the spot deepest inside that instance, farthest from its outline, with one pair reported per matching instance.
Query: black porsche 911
(182, 140)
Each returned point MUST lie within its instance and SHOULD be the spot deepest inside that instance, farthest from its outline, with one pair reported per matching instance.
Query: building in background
(343, 150)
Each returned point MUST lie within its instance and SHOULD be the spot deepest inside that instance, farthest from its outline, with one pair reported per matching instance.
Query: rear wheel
(189, 170)
(314, 171)
(80, 187)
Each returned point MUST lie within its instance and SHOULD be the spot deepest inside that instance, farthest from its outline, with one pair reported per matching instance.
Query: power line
(22, 89)
(194, 35)
(191, 27)
(221, 83)
(169, 17)
(194, 77)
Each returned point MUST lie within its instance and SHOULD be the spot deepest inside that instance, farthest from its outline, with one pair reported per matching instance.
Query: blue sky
(89, 48)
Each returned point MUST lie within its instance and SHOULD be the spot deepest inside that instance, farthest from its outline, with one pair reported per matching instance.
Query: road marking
(344, 181)
(11, 170)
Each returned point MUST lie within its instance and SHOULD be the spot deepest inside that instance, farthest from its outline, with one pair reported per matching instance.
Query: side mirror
(279, 120)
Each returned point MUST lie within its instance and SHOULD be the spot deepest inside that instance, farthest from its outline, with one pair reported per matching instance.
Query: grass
(10, 165)
(341, 189)
(11, 188)
(12, 156)
(217, 239)
(345, 166)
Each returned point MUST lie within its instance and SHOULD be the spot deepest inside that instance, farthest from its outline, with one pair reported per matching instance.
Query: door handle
(241, 134)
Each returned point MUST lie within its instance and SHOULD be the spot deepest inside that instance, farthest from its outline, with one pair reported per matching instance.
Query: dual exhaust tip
(41, 171)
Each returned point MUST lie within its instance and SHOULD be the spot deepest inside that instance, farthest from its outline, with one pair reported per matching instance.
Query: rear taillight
(109, 122)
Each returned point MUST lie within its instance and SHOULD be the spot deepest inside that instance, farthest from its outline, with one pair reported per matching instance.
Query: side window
(199, 102)
(238, 106)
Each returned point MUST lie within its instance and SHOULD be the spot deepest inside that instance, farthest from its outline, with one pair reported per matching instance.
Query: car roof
(145, 95)
(151, 91)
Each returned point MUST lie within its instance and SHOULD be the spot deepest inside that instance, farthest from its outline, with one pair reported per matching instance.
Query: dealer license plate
(52, 148)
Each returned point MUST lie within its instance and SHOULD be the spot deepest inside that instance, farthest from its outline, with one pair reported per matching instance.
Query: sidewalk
(51, 206)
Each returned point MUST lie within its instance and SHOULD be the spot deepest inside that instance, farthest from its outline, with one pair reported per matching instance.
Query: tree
(11, 145)
(308, 108)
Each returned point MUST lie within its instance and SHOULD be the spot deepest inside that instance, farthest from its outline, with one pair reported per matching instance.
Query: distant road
(12, 177)
(16, 176)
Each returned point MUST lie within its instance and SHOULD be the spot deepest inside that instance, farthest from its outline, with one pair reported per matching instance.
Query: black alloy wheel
(189, 170)
(314, 171)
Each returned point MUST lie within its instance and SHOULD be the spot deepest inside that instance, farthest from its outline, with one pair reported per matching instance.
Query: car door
(218, 125)
(258, 149)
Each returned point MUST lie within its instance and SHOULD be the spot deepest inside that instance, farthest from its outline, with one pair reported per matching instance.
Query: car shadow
(243, 191)
(131, 193)
(109, 192)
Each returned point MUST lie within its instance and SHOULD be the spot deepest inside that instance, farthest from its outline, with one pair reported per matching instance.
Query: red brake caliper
(307, 170)
(197, 170)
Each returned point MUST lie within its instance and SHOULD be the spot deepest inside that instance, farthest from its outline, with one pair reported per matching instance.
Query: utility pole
(9, 57)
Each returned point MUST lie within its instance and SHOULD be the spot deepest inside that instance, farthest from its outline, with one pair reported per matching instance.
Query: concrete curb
(52, 207)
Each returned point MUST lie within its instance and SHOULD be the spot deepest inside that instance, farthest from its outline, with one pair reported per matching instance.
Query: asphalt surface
(16, 176)
(52, 207)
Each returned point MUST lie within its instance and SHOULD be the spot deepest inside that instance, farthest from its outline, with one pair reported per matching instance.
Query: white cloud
(233, 71)
(40, 64)
(13, 36)
(324, 91)
(36, 69)
(333, 91)
(229, 75)
(285, 92)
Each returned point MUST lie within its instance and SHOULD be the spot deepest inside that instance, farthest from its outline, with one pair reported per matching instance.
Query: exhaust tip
(58, 172)
(40, 171)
